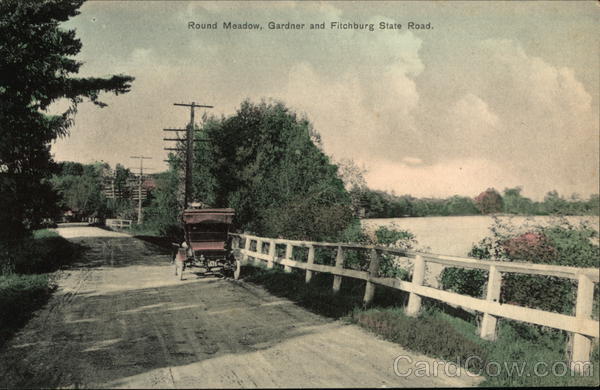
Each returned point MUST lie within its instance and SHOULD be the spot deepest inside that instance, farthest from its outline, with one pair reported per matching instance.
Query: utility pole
(189, 149)
(141, 158)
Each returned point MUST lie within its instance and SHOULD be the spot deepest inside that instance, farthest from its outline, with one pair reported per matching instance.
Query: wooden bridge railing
(118, 223)
(582, 326)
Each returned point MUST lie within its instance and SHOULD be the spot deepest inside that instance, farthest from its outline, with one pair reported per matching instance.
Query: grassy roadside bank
(26, 282)
(523, 355)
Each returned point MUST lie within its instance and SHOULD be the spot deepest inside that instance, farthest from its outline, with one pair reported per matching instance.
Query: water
(456, 236)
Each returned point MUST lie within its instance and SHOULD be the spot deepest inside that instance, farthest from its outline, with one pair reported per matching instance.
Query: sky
(494, 94)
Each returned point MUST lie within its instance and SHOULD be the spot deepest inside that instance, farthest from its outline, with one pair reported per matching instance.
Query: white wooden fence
(118, 223)
(582, 326)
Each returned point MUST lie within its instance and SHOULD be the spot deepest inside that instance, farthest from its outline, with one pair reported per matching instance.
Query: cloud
(360, 110)
(412, 161)
(471, 110)
(533, 120)
(547, 129)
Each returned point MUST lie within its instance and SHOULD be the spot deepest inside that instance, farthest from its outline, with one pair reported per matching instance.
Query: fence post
(246, 248)
(238, 264)
(582, 345)
(272, 254)
(310, 261)
(288, 256)
(258, 261)
(414, 300)
(339, 264)
(488, 324)
(373, 272)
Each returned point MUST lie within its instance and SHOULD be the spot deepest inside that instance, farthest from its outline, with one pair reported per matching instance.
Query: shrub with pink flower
(534, 247)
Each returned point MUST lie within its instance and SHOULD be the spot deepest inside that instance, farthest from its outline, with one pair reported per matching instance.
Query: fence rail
(118, 223)
(583, 327)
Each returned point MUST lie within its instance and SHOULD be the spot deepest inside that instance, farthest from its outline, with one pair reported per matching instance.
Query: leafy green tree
(163, 215)
(461, 205)
(354, 181)
(82, 193)
(69, 168)
(36, 64)
(266, 163)
(204, 184)
(592, 206)
(515, 203)
(554, 203)
(122, 176)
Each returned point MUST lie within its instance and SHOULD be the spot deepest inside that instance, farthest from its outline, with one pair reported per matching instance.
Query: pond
(456, 236)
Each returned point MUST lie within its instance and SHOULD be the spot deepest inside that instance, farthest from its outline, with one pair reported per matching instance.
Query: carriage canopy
(207, 229)
(193, 216)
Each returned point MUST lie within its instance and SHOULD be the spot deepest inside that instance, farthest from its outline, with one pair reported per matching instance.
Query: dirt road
(120, 318)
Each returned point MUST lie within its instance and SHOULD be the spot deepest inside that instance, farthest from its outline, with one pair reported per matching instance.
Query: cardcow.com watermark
(405, 366)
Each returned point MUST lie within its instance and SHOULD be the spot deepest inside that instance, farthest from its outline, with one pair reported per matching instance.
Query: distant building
(130, 190)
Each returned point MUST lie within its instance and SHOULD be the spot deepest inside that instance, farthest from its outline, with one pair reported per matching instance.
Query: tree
(122, 177)
(353, 177)
(592, 206)
(266, 163)
(461, 205)
(489, 201)
(554, 203)
(164, 212)
(515, 203)
(36, 65)
(82, 193)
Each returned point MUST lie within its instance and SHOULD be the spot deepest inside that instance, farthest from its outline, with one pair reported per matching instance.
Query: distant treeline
(81, 190)
(379, 204)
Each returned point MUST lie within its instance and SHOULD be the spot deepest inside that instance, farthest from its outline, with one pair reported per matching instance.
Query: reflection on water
(456, 235)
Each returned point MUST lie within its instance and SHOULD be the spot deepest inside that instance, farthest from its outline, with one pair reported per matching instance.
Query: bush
(20, 296)
(464, 281)
(390, 236)
(24, 287)
(45, 252)
(560, 243)
(389, 266)
(307, 219)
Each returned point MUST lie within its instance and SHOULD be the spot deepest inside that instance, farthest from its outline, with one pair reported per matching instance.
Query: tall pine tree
(36, 69)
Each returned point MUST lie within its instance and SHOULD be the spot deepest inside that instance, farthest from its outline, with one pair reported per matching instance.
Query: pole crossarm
(185, 139)
(192, 105)
(198, 130)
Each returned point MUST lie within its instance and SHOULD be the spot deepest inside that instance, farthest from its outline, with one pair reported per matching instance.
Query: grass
(20, 297)
(524, 346)
(317, 296)
(143, 230)
(25, 282)
(437, 331)
(46, 252)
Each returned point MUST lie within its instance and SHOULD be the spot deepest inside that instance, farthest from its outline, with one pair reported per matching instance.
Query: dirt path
(120, 318)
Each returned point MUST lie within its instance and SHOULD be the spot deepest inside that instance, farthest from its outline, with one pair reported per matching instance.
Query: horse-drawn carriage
(206, 244)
